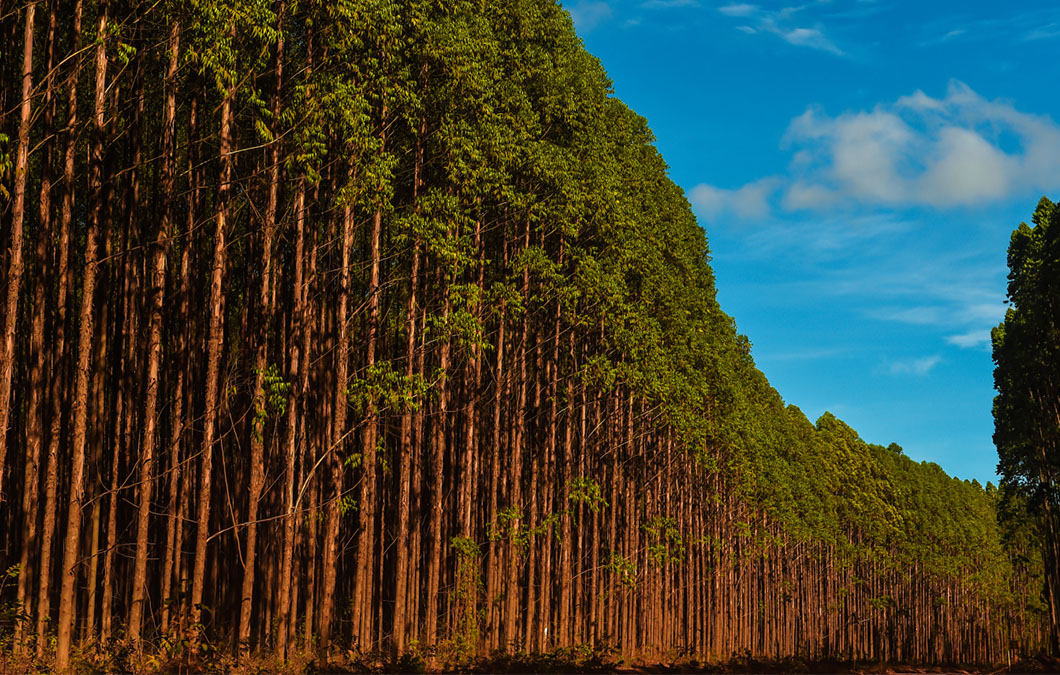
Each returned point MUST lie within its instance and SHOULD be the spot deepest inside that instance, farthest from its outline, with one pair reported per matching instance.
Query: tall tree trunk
(361, 614)
(58, 363)
(338, 431)
(84, 352)
(407, 448)
(179, 474)
(16, 265)
(564, 633)
(160, 249)
(514, 592)
(434, 568)
(35, 413)
(257, 440)
(214, 342)
(291, 436)
(496, 557)
(309, 530)
(114, 342)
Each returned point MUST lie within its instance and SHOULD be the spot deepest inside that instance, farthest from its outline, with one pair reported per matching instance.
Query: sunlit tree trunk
(214, 343)
(16, 265)
(71, 544)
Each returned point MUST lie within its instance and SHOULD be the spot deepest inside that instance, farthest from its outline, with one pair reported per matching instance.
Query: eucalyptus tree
(1027, 379)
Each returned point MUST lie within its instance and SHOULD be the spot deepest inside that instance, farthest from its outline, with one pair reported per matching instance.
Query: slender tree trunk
(309, 529)
(257, 440)
(18, 211)
(407, 449)
(564, 633)
(471, 436)
(338, 431)
(154, 350)
(84, 352)
(290, 439)
(179, 475)
(496, 549)
(35, 413)
(434, 568)
(214, 342)
(58, 367)
(116, 439)
(109, 345)
(515, 495)
(361, 615)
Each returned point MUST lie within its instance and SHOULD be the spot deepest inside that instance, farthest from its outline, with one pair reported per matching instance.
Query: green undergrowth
(118, 658)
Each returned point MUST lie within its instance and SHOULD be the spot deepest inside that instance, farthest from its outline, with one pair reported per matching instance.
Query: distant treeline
(378, 326)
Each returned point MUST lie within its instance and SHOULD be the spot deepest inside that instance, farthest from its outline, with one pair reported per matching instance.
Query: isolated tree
(1027, 379)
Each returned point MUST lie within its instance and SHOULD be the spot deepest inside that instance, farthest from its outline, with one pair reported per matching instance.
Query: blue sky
(858, 166)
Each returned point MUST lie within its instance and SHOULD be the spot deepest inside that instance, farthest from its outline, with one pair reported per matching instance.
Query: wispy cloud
(746, 203)
(944, 37)
(809, 37)
(919, 366)
(1012, 27)
(668, 4)
(1046, 32)
(738, 9)
(973, 339)
(886, 268)
(830, 353)
(783, 23)
(589, 14)
(967, 317)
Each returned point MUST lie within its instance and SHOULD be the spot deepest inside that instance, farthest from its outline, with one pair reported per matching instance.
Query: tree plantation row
(358, 326)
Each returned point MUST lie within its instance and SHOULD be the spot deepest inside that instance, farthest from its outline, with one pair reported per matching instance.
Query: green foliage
(509, 526)
(586, 491)
(5, 167)
(467, 595)
(506, 524)
(624, 570)
(11, 613)
(665, 542)
(347, 505)
(383, 388)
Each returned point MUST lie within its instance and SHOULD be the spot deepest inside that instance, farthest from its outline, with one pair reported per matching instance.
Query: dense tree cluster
(379, 325)
(1027, 406)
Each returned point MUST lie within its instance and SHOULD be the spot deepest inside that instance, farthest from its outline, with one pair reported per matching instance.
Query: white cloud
(918, 316)
(965, 169)
(802, 195)
(804, 354)
(921, 366)
(996, 28)
(780, 23)
(810, 37)
(738, 9)
(862, 151)
(668, 4)
(1043, 32)
(746, 203)
(921, 151)
(980, 337)
(959, 299)
(588, 14)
